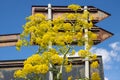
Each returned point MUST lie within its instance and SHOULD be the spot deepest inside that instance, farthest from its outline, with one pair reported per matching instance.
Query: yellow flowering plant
(62, 32)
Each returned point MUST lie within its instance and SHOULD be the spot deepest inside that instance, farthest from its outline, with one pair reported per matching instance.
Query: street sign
(97, 14)
(9, 39)
(102, 34)
(7, 68)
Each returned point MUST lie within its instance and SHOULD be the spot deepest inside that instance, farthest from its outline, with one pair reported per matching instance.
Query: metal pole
(50, 45)
(49, 12)
(86, 44)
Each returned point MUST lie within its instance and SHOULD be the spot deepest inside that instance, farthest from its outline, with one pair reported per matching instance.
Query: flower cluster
(94, 64)
(70, 78)
(74, 7)
(56, 59)
(83, 53)
(18, 44)
(62, 31)
(95, 76)
(33, 65)
(68, 68)
(19, 73)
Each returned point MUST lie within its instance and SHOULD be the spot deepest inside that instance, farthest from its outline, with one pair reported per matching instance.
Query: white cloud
(106, 78)
(103, 52)
(115, 46)
(115, 50)
(108, 55)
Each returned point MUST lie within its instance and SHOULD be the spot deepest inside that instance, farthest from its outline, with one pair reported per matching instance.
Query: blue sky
(12, 17)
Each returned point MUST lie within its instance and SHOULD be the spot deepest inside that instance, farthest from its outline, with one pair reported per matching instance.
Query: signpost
(9, 39)
(97, 14)
(54, 12)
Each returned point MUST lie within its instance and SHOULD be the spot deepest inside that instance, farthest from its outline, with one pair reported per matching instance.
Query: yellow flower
(41, 69)
(56, 59)
(73, 52)
(60, 40)
(95, 76)
(77, 27)
(37, 17)
(19, 43)
(68, 39)
(85, 15)
(85, 24)
(89, 45)
(66, 61)
(74, 7)
(52, 50)
(94, 57)
(70, 16)
(95, 64)
(79, 35)
(46, 38)
(55, 28)
(91, 17)
(90, 24)
(47, 55)
(68, 68)
(58, 20)
(70, 78)
(32, 28)
(44, 44)
(83, 53)
(34, 59)
(19, 74)
(67, 26)
(94, 36)
(38, 40)
(36, 71)
(28, 68)
(42, 16)
(28, 24)
(43, 27)
(26, 31)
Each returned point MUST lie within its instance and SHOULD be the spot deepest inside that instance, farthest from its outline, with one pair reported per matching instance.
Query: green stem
(59, 75)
